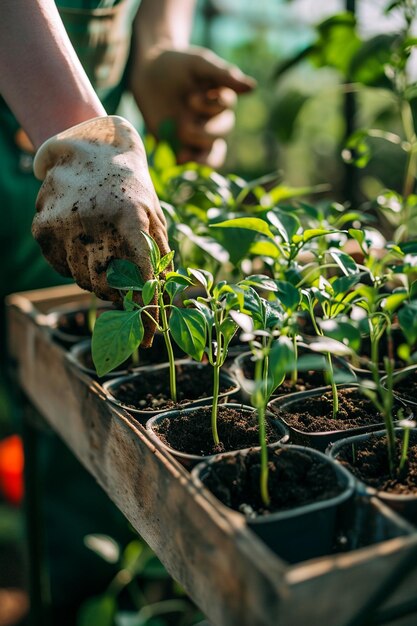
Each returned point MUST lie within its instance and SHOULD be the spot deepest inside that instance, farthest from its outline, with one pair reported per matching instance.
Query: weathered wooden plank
(229, 573)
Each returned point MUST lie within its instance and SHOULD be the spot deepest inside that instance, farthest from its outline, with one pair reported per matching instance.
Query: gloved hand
(96, 197)
(196, 90)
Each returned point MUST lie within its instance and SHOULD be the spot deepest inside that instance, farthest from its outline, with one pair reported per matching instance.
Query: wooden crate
(230, 574)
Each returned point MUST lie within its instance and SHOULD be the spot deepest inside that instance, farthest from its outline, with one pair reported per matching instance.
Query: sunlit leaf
(250, 223)
(189, 330)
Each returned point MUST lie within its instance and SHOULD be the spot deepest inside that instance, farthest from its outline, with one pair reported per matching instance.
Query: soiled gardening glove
(96, 197)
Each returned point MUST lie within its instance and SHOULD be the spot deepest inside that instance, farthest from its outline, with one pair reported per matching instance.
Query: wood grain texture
(228, 572)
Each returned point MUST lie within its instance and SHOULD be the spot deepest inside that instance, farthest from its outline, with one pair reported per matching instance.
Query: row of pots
(305, 531)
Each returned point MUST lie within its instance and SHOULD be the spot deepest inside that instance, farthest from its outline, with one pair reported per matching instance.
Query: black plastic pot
(238, 369)
(319, 440)
(400, 376)
(302, 533)
(404, 505)
(190, 460)
(63, 320)
(156, 355)
(110, 386)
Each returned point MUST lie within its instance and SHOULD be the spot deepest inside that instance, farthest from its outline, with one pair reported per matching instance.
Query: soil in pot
(151, 391)
(315, 414)
(368, 461)
(295, 479)
(191, 432)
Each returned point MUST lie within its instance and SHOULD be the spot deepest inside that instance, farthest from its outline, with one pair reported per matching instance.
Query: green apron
(74, 505)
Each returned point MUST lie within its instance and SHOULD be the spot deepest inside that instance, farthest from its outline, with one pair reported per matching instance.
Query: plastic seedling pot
(404, 505)
(111, 386)
(190, 460)
(401, 376)
(69, 323)
(317, 440)
(304, 532)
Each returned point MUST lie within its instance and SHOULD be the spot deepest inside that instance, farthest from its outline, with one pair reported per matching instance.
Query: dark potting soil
(407, 386)
(150, 390)
(368, 461)
(191, 432)
(315, 415)
(295, 479)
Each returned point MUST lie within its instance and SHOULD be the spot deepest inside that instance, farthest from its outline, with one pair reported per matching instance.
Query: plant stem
(404, 452)
(216, 387)
(92, 313)
(167, 338)
(411, 169)
(262, 440)
(294, 374)
(135, 357)
(333, 384)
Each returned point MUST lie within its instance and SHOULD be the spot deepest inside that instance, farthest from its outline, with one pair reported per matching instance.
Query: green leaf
(312, 233)
(407, 317)
(98, 610)
(368, 64)
(189, 330)
(228, 329)
(408, 247)
(343, 284)
(281, 361)
(148, 291)
(247, 223)
(346, 263)
(344, 331)
(286, 224)
(208, 244)
(116, 336)
(154, 252)
(264, 248)
(261, 281)
(392, 302)
(124, 275)
(357, 150)
(203, 277)
(288, 295)
(358, 235)
(165, 261)
(326, 345)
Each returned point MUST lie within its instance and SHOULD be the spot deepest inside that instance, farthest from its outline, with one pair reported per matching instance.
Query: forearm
(163, 23)
(41, 77)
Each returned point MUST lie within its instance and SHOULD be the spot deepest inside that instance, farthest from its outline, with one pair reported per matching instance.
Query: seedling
(117, 334)
(274, 357)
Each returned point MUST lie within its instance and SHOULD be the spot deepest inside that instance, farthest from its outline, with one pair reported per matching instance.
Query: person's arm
(97, 195)
(41, 78)
(191, 87)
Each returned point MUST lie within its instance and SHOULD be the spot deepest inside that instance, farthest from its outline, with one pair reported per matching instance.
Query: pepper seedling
(273, 355)
(117, 334)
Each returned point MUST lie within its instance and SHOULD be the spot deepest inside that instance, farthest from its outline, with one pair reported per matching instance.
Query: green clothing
(74, 505)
